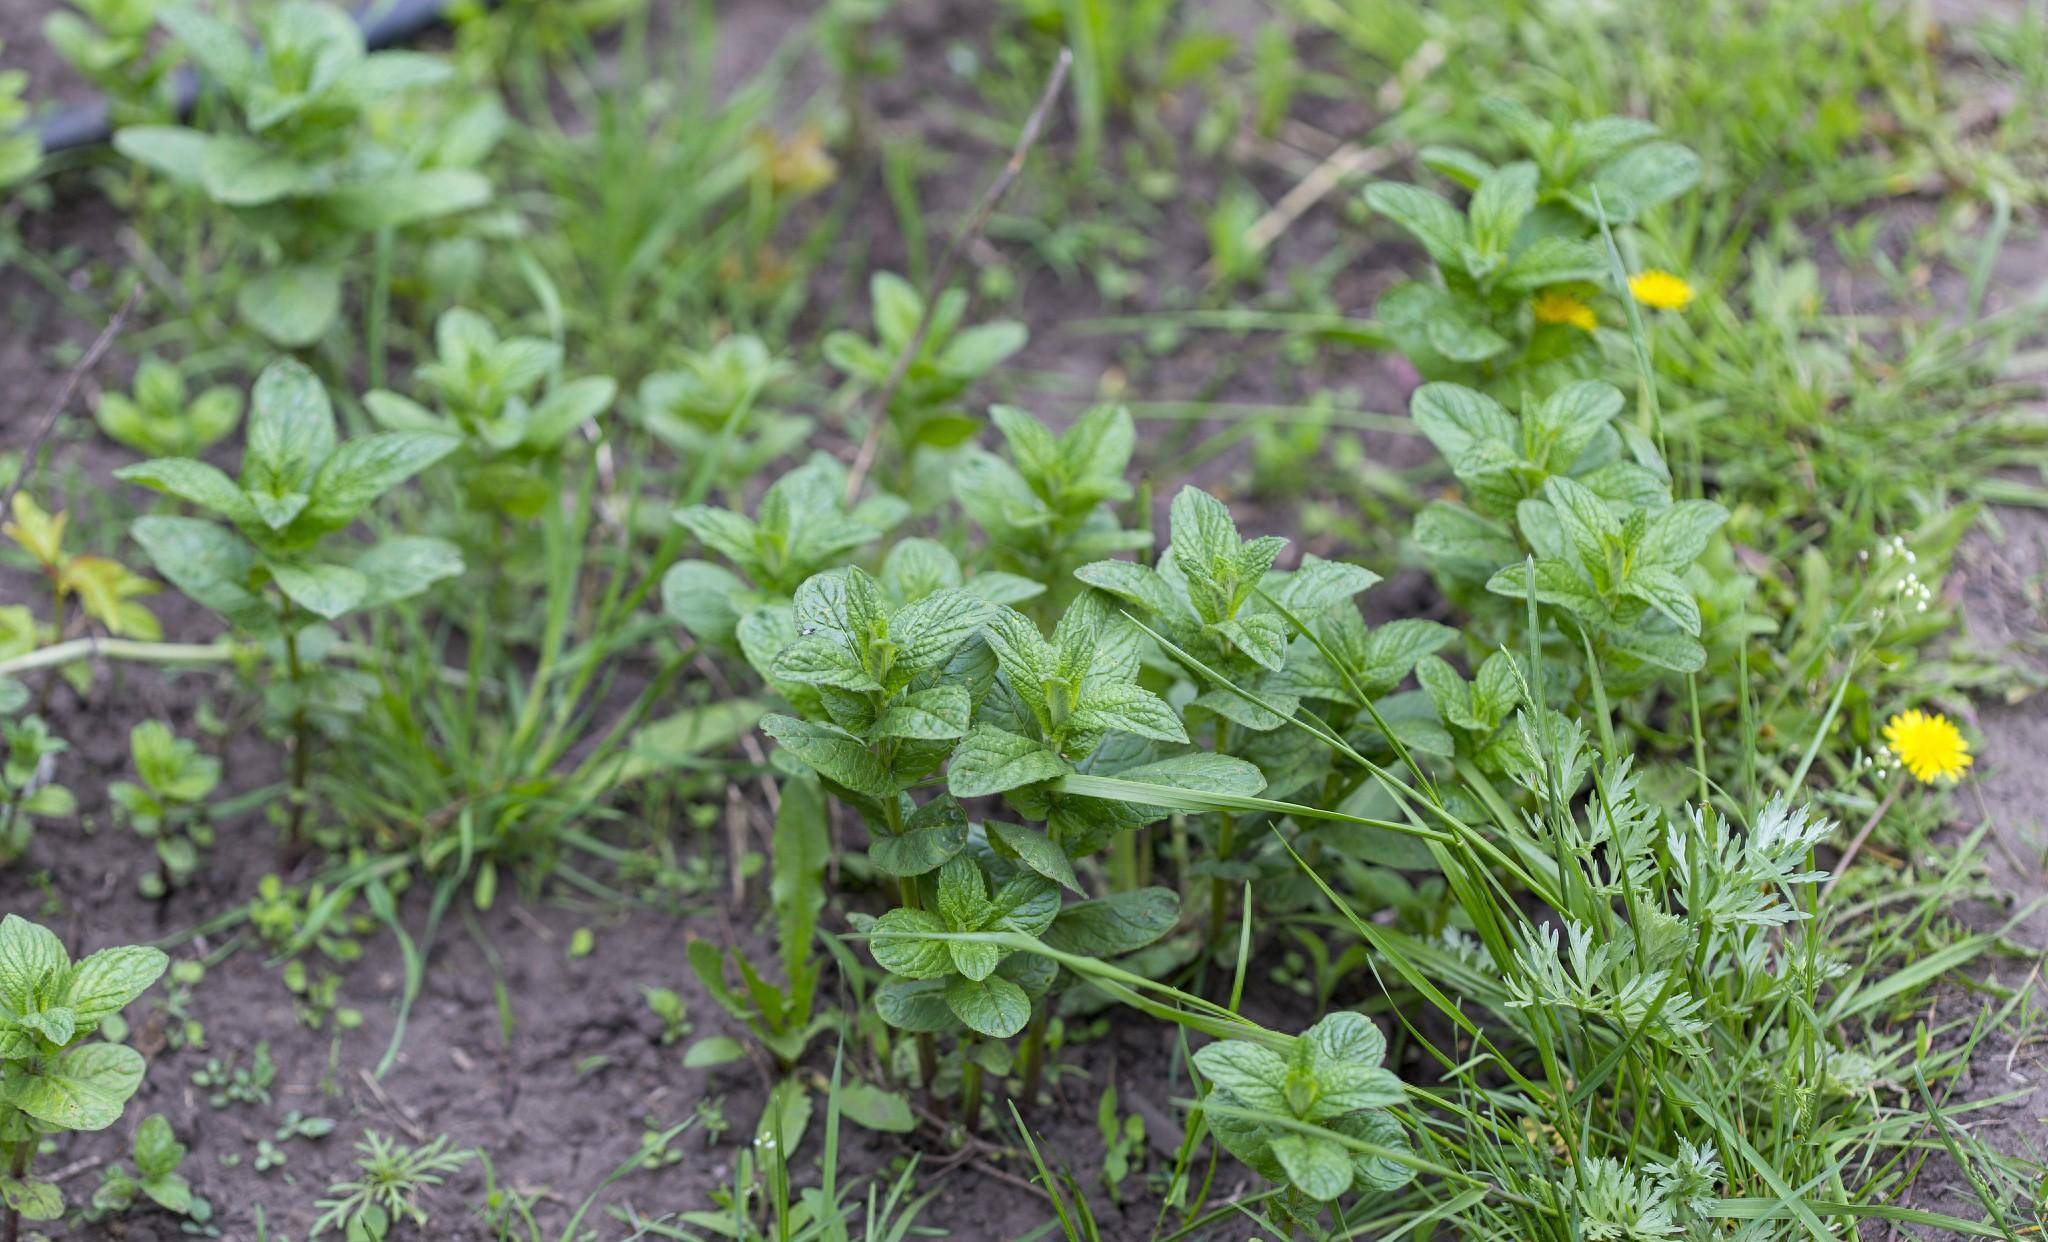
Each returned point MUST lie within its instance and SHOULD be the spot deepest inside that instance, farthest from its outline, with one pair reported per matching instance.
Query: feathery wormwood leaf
(1724, 878)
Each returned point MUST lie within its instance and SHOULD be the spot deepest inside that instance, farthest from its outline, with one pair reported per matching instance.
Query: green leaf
(210, 565)
(837, 755)
(195, 482)
(1553, 260)
(701, 597)
(291, 431)
(402, 198)
(171, 1192)
(1555, 582)
(1025, 903)
(712, 1051)
(35, 1200)
(1558, 429)
(934, 833)
(915, 1005)
(362, 469)
(106, 981)
(1127, 708)
(873, 1108)
(1456, 419)
(1113, 925)
(994, 1006)
(822, 660)
(326, 590)
(1638, 180)
(1506, 195)
(1321, 585)
(963, 895)
(929, 631)
(219, 49)
(1667, 593)
(33, 963)
(404, 565)
(1320, 1168)
(672, 742)
(292, 306)
(157, 1151)
(934, 714)
(173, 150)
(1254, 1073)
(905, 942)
(1676, 535)
(1036, 851)
(81, 1088)
(1456, 537)
(1428, 217)
(802, 844)
(991, 761)
(1135, 584)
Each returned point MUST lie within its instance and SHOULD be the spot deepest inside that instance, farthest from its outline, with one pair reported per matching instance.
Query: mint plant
(300, 486)
(714, 408)
(54, 1077)
(162, 418)
(924, 410)
(27, 792)
(271, 562)
(1047, 509)
(301, 165)
(167, 806)
(1299, 1115)
(886, 697)
(1521, 267)
(1624, 161)
(157, 1154)
(108, 43)
(801, 526)
(1568, 505)
(505, 398)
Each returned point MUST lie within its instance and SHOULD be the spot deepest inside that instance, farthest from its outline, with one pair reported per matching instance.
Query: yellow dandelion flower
(1556, 306)
(1929, 746)
(1660, 290)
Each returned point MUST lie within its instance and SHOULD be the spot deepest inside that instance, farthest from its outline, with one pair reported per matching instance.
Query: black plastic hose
(384, 23)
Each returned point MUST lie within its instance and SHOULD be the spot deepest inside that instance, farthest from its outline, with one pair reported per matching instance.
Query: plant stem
(1226, 840)
(970, 1089)
(18, 1169)
(302, 755)
(1034, 1052)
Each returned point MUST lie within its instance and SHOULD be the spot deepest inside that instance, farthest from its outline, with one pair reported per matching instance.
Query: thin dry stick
(969, 230)
(1344, 163)
(1856, 844)
(77, 375)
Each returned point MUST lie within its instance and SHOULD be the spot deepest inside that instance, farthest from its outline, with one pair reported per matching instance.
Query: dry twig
(72, 380)
(970, 229)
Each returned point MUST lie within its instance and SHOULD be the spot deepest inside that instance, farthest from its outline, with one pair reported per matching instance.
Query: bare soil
(562, 1102)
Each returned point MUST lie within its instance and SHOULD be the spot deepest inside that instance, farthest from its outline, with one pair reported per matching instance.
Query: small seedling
(166, 808)
(161, 419)
(386, 1192)
(158, 1155)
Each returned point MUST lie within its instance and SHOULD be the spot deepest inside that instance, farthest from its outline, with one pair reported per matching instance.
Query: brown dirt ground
(547, 1112)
